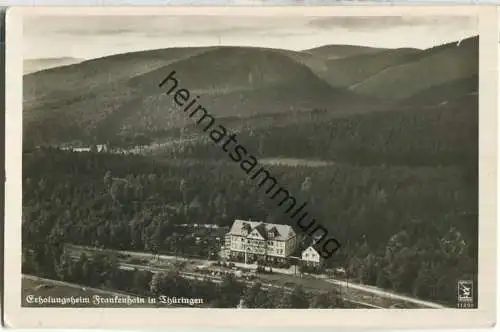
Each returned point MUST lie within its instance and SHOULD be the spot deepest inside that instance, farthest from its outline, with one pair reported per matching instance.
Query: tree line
(411, 137)
(409, 229)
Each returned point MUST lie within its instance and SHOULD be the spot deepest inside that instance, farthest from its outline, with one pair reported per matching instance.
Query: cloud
(384, 22)
(150, 25)
(96, 36)
(160, 26)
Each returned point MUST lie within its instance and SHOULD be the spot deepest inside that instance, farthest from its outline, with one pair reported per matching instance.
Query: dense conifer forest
(409, 229)
(387, 151)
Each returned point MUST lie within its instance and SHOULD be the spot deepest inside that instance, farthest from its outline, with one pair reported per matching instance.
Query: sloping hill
(348, 71)
(66, 100)
(248, 82)
(230, 69)
(120, 94)
(115, 94)
(156, 112)
(63, 82)
(341, 51)
(445, 93)
(412, 135)
(34, 65)
(435, 66)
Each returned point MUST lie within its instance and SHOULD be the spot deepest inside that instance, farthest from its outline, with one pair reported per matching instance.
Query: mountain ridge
(120, 93)
(434, 67)
(41, 64)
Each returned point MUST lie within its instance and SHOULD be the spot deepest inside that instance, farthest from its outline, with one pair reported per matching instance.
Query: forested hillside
(133, 203)
(395, 132)
(96, 100)
(447, 135)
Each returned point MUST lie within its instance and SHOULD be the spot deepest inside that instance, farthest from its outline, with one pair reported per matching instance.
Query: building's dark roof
(281, 232)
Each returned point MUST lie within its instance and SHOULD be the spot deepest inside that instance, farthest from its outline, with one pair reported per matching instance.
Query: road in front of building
(368, 296)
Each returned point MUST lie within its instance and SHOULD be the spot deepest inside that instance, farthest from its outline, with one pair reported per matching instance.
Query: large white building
(254, 240)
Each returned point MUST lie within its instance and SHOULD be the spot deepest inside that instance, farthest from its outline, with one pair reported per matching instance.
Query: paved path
(382, 293)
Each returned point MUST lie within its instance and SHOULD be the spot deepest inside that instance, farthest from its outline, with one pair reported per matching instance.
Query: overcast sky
(89, 37)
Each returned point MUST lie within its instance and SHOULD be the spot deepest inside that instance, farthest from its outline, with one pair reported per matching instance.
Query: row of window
(260, 242)
(311, 256)
(258, 250)
(278, 251)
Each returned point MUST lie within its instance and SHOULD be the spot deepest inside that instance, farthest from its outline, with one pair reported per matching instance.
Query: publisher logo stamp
(464, 294)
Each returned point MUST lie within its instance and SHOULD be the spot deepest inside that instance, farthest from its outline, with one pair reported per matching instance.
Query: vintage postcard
(251, 167)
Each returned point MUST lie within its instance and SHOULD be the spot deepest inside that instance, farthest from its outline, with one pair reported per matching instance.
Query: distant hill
(357, 68)
(93, 74)
(433, 67)
(34, 65)
(236, 69)
(341, 51)
(119, 95)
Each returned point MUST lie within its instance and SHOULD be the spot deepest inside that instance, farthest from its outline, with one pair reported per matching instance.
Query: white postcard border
(484, 316)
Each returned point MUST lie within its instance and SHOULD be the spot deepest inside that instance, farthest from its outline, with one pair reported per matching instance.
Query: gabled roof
(282, 232)
(261, 228)
(274, 231)
(314, 247)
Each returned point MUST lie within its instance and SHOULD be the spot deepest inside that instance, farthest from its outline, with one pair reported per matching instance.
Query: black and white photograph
(210, 161)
